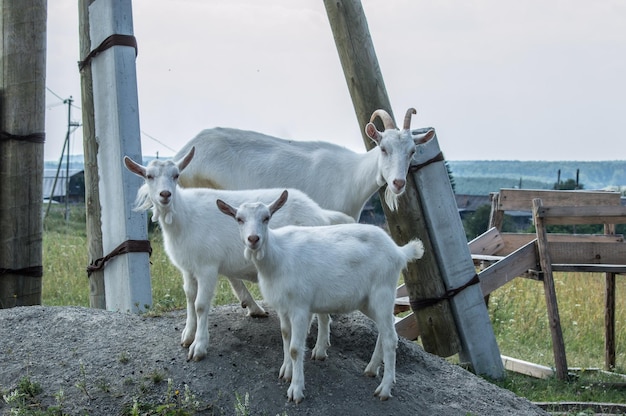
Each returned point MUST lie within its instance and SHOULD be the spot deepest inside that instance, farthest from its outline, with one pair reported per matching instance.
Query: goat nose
(399, 183)
(253, 239)
(165, 194)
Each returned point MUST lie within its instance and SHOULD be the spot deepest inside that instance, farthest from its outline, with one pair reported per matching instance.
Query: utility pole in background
(22, 126)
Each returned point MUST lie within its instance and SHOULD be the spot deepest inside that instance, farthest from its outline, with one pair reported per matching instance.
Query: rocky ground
(106, 362)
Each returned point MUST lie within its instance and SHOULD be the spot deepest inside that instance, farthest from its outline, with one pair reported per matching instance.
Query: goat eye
(239, 220)
(383, 150)
(149, 176)
(176, 177)
(266, 220)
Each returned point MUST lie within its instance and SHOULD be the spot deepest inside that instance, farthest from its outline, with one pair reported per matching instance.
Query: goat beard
(250, 254)
(391, 199)
(158, 213)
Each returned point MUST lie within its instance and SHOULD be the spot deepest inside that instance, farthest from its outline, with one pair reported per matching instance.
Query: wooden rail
(505, 256)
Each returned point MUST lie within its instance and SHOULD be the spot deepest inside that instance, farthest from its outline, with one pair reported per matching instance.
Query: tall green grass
(520, 322)
(65, 261)
(517, 310)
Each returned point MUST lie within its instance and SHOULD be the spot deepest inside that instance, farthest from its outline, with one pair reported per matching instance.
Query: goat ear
(185, 161)
(426, 137)
(225, 208)
(279, 202)
(372, 133)
(134, 167)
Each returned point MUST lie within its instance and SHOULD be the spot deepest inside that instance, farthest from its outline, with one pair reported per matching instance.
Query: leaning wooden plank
(513, 241)
(487, 243)
(407, 327)
(449, 244)
(507, 269)
(521, 199)
(527, 368)
(558, 345)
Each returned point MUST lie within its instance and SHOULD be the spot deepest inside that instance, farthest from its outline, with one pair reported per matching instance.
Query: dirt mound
(106, 361)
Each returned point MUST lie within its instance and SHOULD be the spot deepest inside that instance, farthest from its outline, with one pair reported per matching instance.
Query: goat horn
(388, 122)
(407, 118)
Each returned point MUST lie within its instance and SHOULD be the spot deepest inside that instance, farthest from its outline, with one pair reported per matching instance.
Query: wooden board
(522, 199)
(527, 368)
(587, 253)
(407, 327)
(516, 264)
(487, 243)
(582, 215)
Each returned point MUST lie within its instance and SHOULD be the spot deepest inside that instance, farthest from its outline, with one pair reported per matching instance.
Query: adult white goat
(331, 269)
(202, 243)
(333, 176)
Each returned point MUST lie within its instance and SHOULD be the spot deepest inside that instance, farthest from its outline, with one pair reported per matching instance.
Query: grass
(517, 310)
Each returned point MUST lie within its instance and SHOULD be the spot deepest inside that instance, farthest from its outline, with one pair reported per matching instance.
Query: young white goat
(331, 269)
(202, 243)
(333, 176)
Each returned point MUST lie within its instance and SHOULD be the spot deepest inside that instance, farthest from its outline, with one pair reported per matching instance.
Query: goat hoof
(259, 315)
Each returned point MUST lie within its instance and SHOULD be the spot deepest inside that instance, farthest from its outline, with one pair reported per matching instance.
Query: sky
(497, 79)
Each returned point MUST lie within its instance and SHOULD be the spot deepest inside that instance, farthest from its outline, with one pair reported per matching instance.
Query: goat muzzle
(165, 196)
(398, 185)
(253, 240)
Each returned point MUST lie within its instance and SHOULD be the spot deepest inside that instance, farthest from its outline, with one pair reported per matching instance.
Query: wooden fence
(537, 255)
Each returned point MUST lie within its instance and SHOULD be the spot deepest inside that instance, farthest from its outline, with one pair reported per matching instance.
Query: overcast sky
(498, 79)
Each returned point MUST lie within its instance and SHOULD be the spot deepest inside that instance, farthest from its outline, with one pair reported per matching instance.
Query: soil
(105, 361)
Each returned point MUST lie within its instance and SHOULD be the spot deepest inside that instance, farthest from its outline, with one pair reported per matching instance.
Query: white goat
(331, 269)
(202, 243)
(333, 176)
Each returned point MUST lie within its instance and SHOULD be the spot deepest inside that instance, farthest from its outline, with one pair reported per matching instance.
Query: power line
(55, 94)
(158, 141)
(65, 101)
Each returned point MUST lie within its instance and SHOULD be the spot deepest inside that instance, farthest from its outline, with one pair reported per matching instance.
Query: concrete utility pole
(116, 109)
(22, 125)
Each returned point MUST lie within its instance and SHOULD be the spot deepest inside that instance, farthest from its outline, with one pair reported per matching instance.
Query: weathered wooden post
(554, 320)
(438, 321)
(97, 298)
(609, 312)
(22, 125)
(367, 89)
(112, 60)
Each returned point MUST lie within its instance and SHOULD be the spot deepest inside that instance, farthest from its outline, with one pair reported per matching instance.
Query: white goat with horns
(332, 269)
(333, 176)
(203, 243)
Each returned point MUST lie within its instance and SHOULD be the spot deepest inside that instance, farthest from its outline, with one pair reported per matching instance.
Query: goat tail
(413, 250)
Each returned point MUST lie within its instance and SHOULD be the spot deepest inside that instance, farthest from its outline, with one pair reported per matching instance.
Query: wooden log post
(127, 276)
(609, 312)
(22, 125)
(448, 263)
(558, 344)
(97, 298)
(367, 89)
